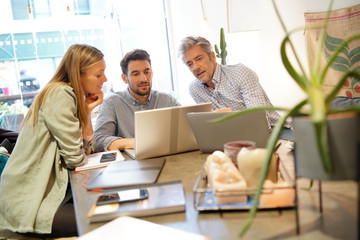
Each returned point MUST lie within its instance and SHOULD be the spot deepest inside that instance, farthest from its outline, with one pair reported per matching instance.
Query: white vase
(250, 163)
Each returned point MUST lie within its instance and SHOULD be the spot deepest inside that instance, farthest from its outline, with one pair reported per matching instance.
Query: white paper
(93, 160)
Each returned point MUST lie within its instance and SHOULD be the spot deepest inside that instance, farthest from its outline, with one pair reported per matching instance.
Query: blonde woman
(55, 136)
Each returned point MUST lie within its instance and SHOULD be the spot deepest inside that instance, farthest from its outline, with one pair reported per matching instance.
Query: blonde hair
(76, 61)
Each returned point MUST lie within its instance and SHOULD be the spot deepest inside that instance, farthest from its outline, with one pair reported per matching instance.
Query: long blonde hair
(77, 59)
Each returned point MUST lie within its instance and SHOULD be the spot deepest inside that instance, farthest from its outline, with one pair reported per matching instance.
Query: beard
(138, 92)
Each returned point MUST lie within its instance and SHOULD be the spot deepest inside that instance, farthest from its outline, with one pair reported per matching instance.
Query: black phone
(122, 196)
(108, 157)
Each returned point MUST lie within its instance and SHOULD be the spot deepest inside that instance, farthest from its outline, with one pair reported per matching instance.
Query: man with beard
(231, 87)
(114, 127)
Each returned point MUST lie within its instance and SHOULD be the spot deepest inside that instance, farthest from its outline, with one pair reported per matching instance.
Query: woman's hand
(94, 99)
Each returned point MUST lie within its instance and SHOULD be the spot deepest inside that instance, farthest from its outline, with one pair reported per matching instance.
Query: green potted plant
(222, 53)
(315, 107)
(11, 116)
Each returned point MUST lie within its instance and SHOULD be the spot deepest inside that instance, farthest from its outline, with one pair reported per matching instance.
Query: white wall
(259, 50)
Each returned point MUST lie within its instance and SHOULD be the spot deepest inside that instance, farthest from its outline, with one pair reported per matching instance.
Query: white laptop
(164, 131)
(212, 136)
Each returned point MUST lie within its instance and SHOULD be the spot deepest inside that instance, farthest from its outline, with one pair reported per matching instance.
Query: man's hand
(223, 110)
(121, 144)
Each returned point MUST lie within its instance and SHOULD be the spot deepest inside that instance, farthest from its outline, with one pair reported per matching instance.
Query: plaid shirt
(236, 87)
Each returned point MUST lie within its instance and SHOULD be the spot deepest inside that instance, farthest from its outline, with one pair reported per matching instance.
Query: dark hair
(136, 54)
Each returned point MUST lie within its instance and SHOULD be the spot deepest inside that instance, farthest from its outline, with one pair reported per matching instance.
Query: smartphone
(122, 196)
(108, 157)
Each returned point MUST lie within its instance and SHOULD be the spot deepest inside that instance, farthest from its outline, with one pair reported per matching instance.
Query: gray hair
(190, 42)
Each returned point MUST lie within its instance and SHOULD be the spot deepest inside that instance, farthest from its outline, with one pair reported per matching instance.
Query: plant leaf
(340, 64)
(338, 86)
(315, 70)
(355, 108)
(301, 81)
(246, 111)
(270, 149)
(216, 50)
(354, 56)
(309, 187)
(336, 54)
(322, 143)
(332, 43)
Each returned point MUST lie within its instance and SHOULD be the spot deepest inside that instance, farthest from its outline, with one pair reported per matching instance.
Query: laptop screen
(212, 136)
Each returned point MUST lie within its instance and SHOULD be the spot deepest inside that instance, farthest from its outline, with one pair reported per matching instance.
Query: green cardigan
(34, 181)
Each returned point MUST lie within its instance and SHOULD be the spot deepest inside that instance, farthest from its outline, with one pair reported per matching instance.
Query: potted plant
(222, 53)
(11, 116)
(315, 107)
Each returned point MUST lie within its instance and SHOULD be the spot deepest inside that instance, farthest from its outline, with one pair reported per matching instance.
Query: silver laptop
(212, 136)
(165, 131)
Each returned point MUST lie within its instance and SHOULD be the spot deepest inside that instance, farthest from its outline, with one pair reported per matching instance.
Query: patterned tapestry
(342, 23)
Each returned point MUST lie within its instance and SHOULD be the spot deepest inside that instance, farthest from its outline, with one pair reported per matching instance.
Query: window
(30, 51)
(128, 26)
(81, 7)
(39, 9)
(19, 9)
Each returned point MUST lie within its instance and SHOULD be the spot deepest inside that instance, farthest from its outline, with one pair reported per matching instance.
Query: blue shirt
(116, 117)
(236, 87)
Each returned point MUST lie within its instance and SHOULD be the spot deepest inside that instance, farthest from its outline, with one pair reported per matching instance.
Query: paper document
(93, 160)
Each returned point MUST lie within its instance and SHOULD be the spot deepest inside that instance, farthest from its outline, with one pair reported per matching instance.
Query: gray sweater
(116, 115)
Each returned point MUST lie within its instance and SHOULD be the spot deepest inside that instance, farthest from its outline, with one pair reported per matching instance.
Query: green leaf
(309, 187)
(216, 49)
(332, 43)
(336, 54)
(349, 58)
(222, 39)
(354, 56)
(317, 101)
(270, 149)
(301, 81)
(338, 86)
(322, 143)
(355, 77)
(340, 64)
(355, 108)
(246, 111)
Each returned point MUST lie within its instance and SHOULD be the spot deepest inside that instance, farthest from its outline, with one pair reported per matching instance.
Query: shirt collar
(134, 101)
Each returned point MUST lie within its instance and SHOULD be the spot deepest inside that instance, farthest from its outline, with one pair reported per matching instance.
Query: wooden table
(338, 221)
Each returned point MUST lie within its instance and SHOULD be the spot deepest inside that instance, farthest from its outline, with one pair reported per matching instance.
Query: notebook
(212, 136)
(164, 198)
(164, 131)
(128, 173)
(126, 227)
(93, 160)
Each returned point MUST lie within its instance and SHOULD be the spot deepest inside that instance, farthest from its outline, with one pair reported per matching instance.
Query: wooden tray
(274, 196)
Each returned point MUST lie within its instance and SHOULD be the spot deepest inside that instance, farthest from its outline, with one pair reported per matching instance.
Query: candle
(250, 163)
